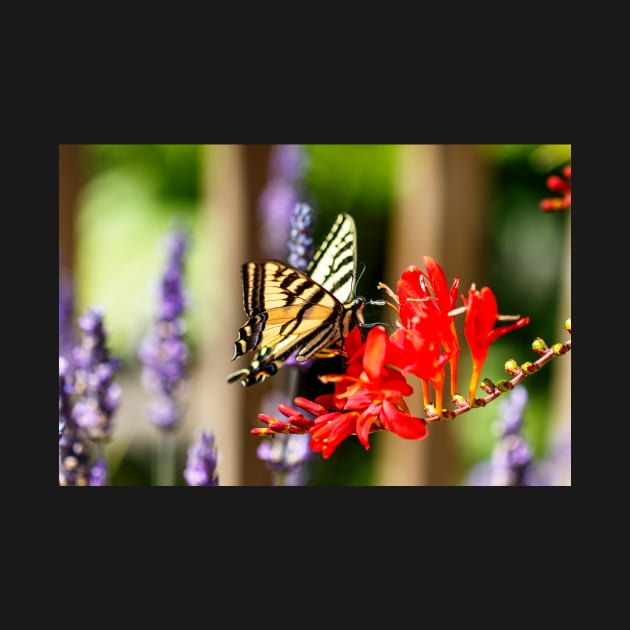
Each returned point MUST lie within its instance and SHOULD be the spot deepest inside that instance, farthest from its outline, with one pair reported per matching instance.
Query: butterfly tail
(257, 372)
(249, 335)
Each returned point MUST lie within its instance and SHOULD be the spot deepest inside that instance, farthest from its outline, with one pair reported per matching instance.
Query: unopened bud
(539, 346)
(487, 385)
(559, 348)
(512, 367)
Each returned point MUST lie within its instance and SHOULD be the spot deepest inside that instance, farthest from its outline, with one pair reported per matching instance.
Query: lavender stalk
(281, 194)
(74, 446)
(86, 424)
(201, 463)
(164, 354)
(511, 463)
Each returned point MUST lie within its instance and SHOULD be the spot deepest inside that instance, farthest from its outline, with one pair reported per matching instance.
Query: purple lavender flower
(98, 473)
(287, 161)
(555, 468)
(75, 449)
(65, 391)
(277, 201)
(511, 463)
(75, 454)
(172, 301)
(286, 457)
(511, 412)
(300, 253)
(201, 464)
(97, 395)
(163, 350)
(301, 236)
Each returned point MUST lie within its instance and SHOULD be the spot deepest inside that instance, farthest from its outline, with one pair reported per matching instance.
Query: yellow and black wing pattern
(291, 312)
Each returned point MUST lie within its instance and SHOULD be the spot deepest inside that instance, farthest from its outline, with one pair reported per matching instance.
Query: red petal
(301, 422)
(375, 349)
(402, 424)
(360, 399)
(266, 418)
(498, 332)
(365, 422)
(329, 433)
(480, 319)
(310, 406)
(408, 286)
(437, 277)
(327, 401)
(353, 344)
(489, 309)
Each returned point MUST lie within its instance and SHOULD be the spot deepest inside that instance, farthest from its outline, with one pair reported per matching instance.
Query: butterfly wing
(334, 264)
(290, 312)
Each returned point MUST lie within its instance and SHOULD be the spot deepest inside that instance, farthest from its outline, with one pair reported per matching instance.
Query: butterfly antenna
(367, 302)
(362, 269)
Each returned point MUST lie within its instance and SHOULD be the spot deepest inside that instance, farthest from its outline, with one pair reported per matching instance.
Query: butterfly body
(294, 313)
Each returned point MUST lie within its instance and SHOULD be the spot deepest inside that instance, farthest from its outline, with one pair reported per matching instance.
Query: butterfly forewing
(334, 264)
(291, 312)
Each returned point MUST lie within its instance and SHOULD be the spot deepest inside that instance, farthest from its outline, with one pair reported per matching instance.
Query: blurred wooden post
(223, 224)
(465, 240)
(70, 182)
(561, 367)
(256, 157)
(439, 213)
(415, 230)
(233, 178)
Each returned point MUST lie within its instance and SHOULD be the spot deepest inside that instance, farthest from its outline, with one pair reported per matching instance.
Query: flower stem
(100, 455)
(164, 469)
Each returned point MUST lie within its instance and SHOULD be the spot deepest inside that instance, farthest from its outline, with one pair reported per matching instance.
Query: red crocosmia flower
(296, 423)
(419, 353)
(368, 398)
(420, 309)
(354, 348)
(481, 316)
(331, 430)
(562, 187)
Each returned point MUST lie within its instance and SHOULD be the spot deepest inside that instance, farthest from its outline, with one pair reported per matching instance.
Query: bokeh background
(474, 208)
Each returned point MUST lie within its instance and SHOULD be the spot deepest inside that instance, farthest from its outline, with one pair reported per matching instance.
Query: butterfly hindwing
(291, 312)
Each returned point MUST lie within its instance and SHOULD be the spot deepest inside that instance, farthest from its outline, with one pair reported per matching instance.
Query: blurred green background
(132, 195)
